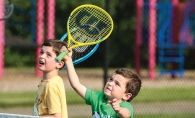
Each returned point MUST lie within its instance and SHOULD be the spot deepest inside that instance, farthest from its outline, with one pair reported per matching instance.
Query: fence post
(138, 42)
(40, 31)
(51, 19)
(2, 37)
(152, 39)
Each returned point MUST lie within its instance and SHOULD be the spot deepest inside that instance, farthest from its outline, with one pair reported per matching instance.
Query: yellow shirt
(51, 98)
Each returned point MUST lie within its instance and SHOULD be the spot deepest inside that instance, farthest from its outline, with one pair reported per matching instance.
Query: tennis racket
(6, 9)
(87, 25)
(80, 54)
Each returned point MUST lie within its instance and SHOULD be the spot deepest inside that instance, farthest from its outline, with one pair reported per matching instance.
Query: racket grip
(61, 55)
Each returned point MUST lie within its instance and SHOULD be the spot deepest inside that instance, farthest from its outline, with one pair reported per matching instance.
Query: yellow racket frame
(77, 44)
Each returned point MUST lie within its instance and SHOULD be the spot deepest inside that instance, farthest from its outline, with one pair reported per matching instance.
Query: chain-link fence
(167, 96)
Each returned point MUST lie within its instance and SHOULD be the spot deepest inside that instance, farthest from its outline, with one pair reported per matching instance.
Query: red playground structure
(167, 33)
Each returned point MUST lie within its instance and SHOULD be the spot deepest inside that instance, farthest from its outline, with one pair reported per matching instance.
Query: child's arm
(123, 112)
(72, 75)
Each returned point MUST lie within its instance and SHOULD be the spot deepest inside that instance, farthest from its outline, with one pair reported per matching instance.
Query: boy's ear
(127, 96)
(60, 64)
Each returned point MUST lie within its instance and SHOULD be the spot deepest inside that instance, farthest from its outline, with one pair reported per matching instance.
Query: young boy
(50, 99)
(113, 102)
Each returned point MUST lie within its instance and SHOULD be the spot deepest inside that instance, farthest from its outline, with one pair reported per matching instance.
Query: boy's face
(115, 87)
(47, 61)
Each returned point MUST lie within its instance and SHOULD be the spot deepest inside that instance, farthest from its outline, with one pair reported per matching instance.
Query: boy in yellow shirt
(50, 99)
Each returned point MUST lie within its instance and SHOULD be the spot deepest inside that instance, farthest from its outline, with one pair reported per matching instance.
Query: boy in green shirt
(113, 102)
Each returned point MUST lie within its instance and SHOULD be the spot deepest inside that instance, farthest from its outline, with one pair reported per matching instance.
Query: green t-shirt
(99, 106)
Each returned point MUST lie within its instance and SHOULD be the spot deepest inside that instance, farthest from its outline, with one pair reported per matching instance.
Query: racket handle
(61, 55)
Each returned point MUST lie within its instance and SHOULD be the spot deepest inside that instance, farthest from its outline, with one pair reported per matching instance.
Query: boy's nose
(110, 83)
(41, 56)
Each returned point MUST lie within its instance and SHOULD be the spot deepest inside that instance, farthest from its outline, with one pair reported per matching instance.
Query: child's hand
(63, 49)
(69, 55)
(115, 105)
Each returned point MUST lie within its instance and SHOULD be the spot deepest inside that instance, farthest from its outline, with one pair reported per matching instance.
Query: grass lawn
(146, 95)
(165, 94)
(24, 99)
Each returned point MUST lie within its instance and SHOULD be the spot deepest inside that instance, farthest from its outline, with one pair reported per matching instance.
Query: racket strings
(81, 51)
(94, 25)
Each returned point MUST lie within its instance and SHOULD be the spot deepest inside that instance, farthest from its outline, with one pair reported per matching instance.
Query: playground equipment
(151, 31)
(157, 23)
(170, 53)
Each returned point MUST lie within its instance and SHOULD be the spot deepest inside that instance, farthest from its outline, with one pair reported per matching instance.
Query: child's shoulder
(94, 93)
(55, 80)
(55, 83)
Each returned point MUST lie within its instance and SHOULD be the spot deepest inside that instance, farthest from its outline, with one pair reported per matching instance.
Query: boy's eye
(117, 84)
(41, 52)
(49, 55)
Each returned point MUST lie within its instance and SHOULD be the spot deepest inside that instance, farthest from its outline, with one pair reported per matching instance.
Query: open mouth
(41, 63)
(108, 88)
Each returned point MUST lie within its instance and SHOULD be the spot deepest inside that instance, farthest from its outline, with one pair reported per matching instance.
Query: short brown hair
(56, 44)
(133, 85)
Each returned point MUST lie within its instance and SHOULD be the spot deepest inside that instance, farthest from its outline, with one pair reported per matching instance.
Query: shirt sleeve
(128, 106)
(91, 97)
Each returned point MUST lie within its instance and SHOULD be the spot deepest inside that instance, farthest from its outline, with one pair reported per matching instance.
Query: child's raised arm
(72, 75)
